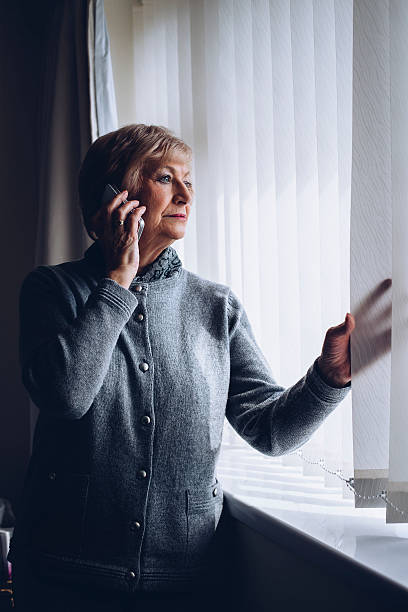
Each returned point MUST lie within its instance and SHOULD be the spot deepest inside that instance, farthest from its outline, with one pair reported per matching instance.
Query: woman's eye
(167, 176)
(164, 177)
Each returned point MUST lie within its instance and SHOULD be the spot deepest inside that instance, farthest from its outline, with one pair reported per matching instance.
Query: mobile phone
(109, 193)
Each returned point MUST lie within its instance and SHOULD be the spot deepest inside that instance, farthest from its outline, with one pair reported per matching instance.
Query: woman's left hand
(334, 363)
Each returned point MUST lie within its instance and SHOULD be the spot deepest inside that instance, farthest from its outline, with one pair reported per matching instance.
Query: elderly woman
(133, 362)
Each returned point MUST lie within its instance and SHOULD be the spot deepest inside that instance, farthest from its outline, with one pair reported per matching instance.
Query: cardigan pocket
(204, 507)
(57, 524)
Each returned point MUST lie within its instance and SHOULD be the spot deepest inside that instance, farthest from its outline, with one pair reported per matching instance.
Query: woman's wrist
(122, 277)
(328, 378)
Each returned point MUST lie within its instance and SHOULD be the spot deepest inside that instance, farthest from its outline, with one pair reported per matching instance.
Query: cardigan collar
(165, 265)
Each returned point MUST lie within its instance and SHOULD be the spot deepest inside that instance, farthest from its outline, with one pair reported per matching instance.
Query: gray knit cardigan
(133, 386)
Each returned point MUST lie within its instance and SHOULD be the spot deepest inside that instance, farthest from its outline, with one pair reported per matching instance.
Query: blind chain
(349, 481)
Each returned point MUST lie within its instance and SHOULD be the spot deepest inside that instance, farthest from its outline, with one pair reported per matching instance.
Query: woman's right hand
(119, 243)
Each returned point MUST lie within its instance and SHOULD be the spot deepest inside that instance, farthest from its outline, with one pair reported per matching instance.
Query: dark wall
(23, 36)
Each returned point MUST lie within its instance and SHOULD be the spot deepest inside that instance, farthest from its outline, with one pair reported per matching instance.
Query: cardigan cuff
(114, 294)
(320, 388)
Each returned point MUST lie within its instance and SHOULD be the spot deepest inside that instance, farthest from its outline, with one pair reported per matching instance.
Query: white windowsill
(306, 504)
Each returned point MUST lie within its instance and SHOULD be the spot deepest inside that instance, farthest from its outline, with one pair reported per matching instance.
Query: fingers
(138, 211)
(351, 322)
(135, 217)
(131, 222)
(116, 202)
(104, 214)
(111, 209)
(348, 324)
(120, 215)
(122, 211)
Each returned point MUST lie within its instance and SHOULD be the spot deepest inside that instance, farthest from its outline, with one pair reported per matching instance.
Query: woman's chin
(176, 234)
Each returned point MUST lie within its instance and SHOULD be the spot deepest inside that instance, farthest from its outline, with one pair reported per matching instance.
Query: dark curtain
(64, 134)
(45, 130)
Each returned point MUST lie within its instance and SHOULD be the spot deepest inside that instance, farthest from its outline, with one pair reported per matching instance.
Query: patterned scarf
(165, 265)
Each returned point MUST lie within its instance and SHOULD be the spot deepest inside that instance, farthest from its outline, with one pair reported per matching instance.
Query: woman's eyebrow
(173, 170)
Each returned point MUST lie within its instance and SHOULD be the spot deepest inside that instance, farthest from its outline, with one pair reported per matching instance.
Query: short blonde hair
(137, 145)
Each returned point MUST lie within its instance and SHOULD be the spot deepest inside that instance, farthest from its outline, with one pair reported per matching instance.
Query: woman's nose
(182, 192)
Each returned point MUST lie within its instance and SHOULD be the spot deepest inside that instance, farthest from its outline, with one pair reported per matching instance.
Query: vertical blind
(398, 449)
(269, 94)
(379, 214)
(262, 91)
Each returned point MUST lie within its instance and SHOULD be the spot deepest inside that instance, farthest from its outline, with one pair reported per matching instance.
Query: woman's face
(166, 191)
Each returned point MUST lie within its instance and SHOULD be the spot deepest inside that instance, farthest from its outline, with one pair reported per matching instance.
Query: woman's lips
(177, 216)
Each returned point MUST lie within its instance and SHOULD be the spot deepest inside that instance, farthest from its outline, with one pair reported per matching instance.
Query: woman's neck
(148, 254)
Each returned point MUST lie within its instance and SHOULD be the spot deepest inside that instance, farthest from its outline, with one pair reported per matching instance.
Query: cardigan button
(215, 491)
(140, 316)
(144, 366)
(135, 525)
(132, 574)
(138, 288)
(142, 474)
(145, 419)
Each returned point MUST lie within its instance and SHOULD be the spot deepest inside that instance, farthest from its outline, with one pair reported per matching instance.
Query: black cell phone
(109, 193)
